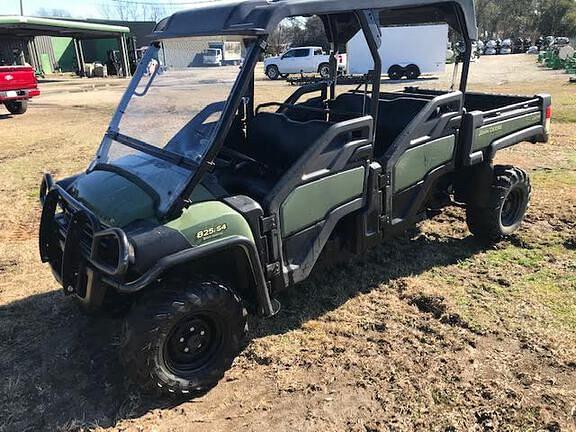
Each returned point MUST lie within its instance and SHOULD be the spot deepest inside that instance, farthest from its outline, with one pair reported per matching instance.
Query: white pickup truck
(301, 60)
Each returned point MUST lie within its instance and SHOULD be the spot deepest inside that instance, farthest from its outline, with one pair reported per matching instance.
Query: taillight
(548, 124)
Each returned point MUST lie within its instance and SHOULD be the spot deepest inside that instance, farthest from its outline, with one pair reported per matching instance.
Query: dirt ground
(430, 332)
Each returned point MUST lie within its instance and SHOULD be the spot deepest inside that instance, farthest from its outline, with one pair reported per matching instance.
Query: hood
(269, 59)
(115, 200)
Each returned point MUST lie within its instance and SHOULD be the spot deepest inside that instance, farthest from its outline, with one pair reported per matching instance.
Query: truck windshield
(167, 120)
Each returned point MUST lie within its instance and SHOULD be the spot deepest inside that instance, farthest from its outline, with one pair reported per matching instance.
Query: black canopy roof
(256, 17)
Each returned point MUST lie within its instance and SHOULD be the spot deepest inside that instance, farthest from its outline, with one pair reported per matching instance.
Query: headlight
(111, 251)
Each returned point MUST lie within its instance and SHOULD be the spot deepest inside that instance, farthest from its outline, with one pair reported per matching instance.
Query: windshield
(170, 113)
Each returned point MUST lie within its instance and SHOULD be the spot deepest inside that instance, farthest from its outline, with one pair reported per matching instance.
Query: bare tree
(153, 12)
(58, 13)
(106, 11)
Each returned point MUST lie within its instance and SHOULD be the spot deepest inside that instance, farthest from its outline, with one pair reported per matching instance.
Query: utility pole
(21, 7)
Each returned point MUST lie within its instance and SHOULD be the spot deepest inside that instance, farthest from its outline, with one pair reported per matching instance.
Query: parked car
(222, 53)
(506, 47)
(18, 84)
(491, 48)
(299, 60)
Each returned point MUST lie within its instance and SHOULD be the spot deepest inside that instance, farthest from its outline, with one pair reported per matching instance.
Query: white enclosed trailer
(405, 51)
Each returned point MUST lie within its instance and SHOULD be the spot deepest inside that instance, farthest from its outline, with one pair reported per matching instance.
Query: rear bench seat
(393, 115)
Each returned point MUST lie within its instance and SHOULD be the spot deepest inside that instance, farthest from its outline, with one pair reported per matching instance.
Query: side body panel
(418, 161)
(311, 202)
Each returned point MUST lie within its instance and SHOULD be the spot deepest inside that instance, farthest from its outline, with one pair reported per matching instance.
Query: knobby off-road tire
(17, 107)
(507, 205)
(182, 336)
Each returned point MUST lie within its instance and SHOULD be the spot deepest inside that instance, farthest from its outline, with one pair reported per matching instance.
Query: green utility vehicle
(201, 205)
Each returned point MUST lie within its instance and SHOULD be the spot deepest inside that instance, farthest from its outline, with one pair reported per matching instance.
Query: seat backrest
(394, 115)
(393, 118)
(348, 105)
(278, 142)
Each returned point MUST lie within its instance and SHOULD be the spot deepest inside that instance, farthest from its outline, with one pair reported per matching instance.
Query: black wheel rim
(325, 72)
(512, 208)
(192, 344)
(272, 72)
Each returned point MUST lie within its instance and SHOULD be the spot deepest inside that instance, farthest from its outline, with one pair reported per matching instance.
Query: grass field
(430, 332)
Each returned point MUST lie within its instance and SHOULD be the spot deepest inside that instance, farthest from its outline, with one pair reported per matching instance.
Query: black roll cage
(369, 24)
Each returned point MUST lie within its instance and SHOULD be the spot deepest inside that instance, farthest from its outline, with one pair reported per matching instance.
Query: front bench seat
(277, 142)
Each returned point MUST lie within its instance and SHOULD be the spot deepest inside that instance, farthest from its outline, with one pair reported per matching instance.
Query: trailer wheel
(395, 72)
(508, 201)
(182, 336)
(412, 72)
(324, 70)
(272, 72)
(17, 107)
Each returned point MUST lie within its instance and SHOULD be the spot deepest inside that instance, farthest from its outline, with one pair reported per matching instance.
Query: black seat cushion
(248, 181)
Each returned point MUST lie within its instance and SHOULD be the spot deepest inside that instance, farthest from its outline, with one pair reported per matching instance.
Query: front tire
(324, 70)
(180, 338)
(272, 72)
(508, 201)
(17, 107)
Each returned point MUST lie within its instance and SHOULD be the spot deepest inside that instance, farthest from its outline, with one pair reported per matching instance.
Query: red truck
(17, 85)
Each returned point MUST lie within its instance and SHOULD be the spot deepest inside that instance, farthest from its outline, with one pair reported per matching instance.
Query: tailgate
(17, 78)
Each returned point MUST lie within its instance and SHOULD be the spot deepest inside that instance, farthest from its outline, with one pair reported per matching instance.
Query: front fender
(246, 245)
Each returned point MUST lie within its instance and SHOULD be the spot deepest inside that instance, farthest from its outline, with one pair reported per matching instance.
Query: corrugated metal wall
(44, 46)
(183, 53)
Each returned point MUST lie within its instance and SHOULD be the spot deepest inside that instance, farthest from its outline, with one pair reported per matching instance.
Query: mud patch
(6, 264)
(436, 306)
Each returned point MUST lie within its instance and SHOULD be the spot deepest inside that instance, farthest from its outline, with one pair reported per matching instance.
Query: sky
(82, 8)
(77, 8)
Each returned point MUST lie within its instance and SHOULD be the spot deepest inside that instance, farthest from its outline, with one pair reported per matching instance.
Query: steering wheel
(194, 126)
(205, 114)
(240, 156)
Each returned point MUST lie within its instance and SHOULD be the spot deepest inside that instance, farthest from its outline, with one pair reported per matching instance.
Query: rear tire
(412, 72)
(181, 337)
(507, 204)
(272, 72)
(17, 107)
(395, 73)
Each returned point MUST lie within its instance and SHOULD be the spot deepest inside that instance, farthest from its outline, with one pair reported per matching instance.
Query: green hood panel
(115, 200)
(208, 221)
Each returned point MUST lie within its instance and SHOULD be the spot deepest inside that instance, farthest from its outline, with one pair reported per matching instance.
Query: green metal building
(63, 45)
